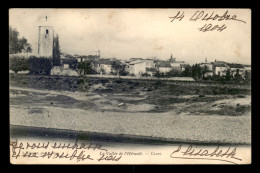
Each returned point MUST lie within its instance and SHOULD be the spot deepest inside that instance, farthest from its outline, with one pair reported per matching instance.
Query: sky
(145, 33)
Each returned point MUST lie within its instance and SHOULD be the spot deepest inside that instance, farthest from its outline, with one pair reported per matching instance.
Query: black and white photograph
(135, 86)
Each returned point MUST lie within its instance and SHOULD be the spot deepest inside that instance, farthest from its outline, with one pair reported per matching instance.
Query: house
(67, 55)
(208, 69)
(133, 64)
(149, 63)
(176, 65)
(207, 66)
(68, 61)
(62, 58)
(220, 69)
(151, 71)
(135, 59)
(103, 66)
(138, 67)
(234, 68)
(220, 62)
(164, 67)
(90, 58)
(127, 66)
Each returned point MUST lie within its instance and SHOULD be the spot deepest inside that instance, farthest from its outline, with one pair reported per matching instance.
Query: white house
(220, 69)
(176, 65)
(164, 67)
(208, 66)
(88, 58)
(138, 67)
(236, 67)
(103, 66)
(151, 71)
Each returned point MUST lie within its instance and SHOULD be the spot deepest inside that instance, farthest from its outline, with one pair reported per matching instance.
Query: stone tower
(45, 40)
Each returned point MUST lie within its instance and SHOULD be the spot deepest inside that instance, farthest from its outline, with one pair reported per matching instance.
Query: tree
(204, 70)
(118, 67)
(84, 67)
(196, 71)
(237, 76)
(13, 41)
(247, 76)
(102, 71)
(29, 49)
(122, 71)
(56, 51)
(228, 76)
(17, 45)
(187, 72)
(158, 74)
(173, 73)
(18, 64)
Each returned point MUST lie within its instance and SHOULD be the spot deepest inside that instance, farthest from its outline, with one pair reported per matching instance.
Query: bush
(18, 64)
(158, 74)
(158, 83)
(173, 73)
(80, 81)
(118, 81)
(85, 68)
(145, 74)
(136, 84)
(129, 82)
(40, 65)
(104, 81)
(123, 73)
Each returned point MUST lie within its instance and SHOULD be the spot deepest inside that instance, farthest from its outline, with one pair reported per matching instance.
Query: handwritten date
(210, 27)
(203, 16)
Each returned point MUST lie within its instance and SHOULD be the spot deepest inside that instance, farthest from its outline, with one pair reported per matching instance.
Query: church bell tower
(45, 40)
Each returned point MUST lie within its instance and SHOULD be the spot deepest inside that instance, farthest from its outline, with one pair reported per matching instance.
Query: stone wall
(61, 71)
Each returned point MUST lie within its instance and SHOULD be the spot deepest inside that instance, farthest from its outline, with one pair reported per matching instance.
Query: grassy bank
(126, 85)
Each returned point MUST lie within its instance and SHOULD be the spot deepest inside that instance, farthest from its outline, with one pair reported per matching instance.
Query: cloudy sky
(146, 33)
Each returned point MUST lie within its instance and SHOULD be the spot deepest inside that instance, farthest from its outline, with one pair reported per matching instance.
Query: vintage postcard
(130, 86)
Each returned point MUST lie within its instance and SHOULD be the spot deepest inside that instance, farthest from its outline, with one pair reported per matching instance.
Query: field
(133, 95)
(169, 110)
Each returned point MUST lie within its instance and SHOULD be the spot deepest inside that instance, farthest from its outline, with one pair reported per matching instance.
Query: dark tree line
(35, 65)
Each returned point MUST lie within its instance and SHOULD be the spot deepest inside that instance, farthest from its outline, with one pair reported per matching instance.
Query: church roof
(164, 64)
(235, 65)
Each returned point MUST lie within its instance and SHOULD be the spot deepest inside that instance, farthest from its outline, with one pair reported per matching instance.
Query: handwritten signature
(58, 151)
(203, 16)
(204, 154)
